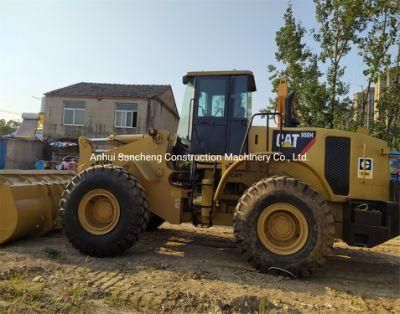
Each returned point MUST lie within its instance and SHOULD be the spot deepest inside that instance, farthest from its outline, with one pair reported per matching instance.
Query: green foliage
(51, 253)
(117, 297)
(76, 293)
(340, 25)
(300, 68)
(262, 307)
(19, 288)
(383, 19)
(372, 27)
(387, 126)
(384, 24)
(7, 127)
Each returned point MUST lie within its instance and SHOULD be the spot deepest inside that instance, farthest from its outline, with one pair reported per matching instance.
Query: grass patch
(36, 292)
(14, 287)
(262, 307)
(9, 291)
(17, 287)
(117, 298)
(51, 253)
(75, 293)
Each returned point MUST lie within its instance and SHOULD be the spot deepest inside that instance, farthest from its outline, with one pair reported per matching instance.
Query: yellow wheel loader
(288, 191)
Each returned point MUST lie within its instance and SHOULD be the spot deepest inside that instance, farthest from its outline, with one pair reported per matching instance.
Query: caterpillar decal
(293, 143)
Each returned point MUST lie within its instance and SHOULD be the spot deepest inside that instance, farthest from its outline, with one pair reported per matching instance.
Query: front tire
(282, 223)
(154, 222)
(103, 211)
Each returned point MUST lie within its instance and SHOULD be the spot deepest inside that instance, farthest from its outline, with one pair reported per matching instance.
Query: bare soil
(187, 269)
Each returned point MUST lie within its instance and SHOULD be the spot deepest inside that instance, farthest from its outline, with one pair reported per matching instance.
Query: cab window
(240, 97)
(211, 97)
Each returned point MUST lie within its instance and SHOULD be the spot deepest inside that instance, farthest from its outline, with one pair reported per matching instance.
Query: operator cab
(215, 112)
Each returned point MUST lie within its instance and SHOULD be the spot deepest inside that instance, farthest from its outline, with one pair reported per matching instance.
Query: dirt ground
(187, 269)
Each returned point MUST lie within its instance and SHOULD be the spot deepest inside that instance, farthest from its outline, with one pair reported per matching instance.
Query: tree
(340, 24)
(383, 22)
(300, 69)
(312, 99)
(387, 126)
(7, 127)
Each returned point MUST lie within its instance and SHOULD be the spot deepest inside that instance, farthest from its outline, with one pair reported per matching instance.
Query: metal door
(209, 134)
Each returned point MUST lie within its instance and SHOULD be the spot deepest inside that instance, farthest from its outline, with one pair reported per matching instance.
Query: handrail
(191, 111)
(268, 114)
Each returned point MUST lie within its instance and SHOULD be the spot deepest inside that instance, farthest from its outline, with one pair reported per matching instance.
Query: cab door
(239, 109)
(209, 132)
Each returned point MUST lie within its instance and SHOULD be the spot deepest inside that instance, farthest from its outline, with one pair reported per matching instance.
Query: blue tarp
(3, 153)
(395, 165)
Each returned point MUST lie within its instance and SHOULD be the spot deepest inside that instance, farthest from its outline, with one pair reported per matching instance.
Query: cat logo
(365, 168)
(288, 140)
(292, 143)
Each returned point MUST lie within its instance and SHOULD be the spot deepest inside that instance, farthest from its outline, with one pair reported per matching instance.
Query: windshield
(184, 129)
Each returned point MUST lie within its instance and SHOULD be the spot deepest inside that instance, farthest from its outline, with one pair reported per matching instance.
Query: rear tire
(282, 223)
(103, 211)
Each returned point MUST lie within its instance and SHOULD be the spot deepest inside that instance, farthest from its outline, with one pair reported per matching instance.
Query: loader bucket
(29, 202)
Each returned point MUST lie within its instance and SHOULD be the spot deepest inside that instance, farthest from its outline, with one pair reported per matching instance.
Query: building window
(74, 112)
(125, 115)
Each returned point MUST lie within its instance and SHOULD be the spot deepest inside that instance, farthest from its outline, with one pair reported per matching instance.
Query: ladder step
(201, 206)
(196, 208)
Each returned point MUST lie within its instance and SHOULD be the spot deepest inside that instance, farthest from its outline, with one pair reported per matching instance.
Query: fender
(149, 171)
(153, 175)
(308, 175)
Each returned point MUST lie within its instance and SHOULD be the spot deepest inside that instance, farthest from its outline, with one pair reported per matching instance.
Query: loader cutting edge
(29, 202)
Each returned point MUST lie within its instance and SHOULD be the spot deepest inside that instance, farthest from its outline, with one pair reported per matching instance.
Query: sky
(47, 44)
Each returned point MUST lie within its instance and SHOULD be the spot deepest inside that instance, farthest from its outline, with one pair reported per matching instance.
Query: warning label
(365, 168)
